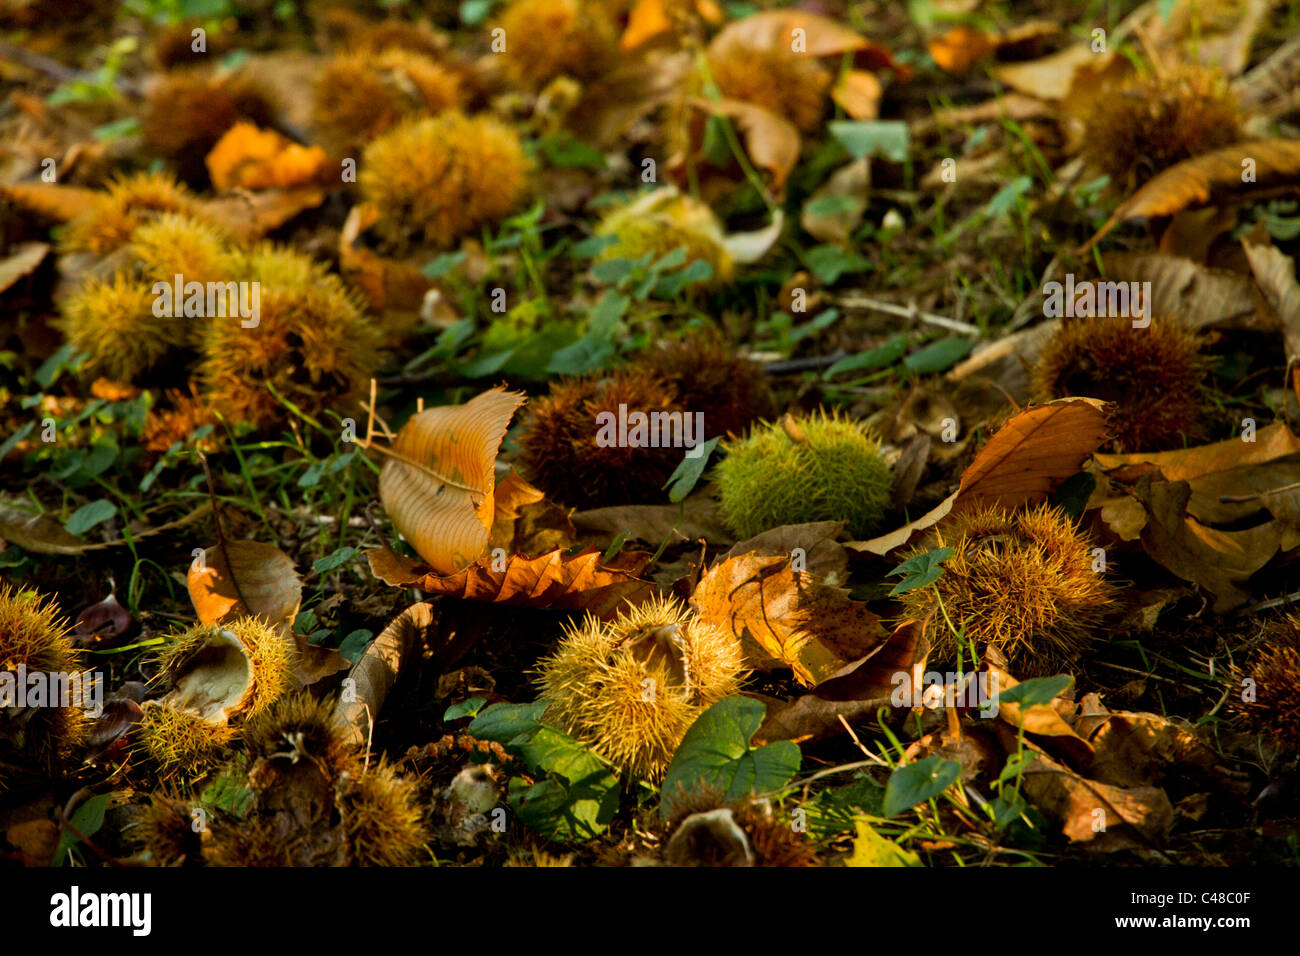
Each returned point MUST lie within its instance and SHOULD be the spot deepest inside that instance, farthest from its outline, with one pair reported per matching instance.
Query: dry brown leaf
(53, 200)
(374, 675)
(439, 487)
(1187, 464)
(772, 142)
(578, 583)
(858, 93)
(1090, 811)
(774, 30)
(1219, 561)
(786, 618)
(249, 216)
(1214, 176)
(1201, 297)
(40, 534)
(1275, 273)
(399, 291)
(1041, 719)
(701, 517)
(512, 493)
(1215, 35)
(250, 158)
(1022, 463)
(22, 262)
(1053, 77)
(846, 189)
(961, 48)
(263, 574)
(1132, 749)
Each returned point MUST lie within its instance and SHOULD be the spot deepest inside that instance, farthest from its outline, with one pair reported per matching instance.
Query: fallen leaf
(53, 200)
(835, 210)
(1053, 77)
(40, 534)
(647, 20)
(1215, 35)
(858, 93)
(103, 620)
(1275, 273)
(1022, 464)
(577, 583)
(438, 485)
(397, 290)
(1219, 561)
(787, 618)
(1216, 176)
(1090, 811)
(774, 30)
(699, 516)
(22, 262)
(771, 141)
(961, 48)
(1273, 441)
(374, 675)
(248, 215)
(262, 573)
(250, 158)
(1200, 296)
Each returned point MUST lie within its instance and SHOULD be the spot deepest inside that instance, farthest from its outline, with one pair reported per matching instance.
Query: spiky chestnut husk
(175, 244)
(382, 821)
(1152, 376)
(550, 38)
(1150, 124)
(1022, 582)
(304, 727)
(359, 95)
(189, 109)
(127, 203)
(560, 450)
(313, 344)
(179, 744)
(831, 471)
(662, 221)
(630, 688)
(164, 829)
(112, 321)
(32, 635)
(471, 172)
(270, 660)
(791, 85)
(771, 840)
(709, 376)
(1275, 672)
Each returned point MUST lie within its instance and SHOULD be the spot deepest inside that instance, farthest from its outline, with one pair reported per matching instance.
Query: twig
(908, 312)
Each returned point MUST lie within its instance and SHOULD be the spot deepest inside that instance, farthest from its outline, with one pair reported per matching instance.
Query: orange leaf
(858, 94)
(646, 21)
(250, 158)
(263, 574)
(961, 48)
(579, 583)
(1022, 463)
(788, 618)
(439, 484)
